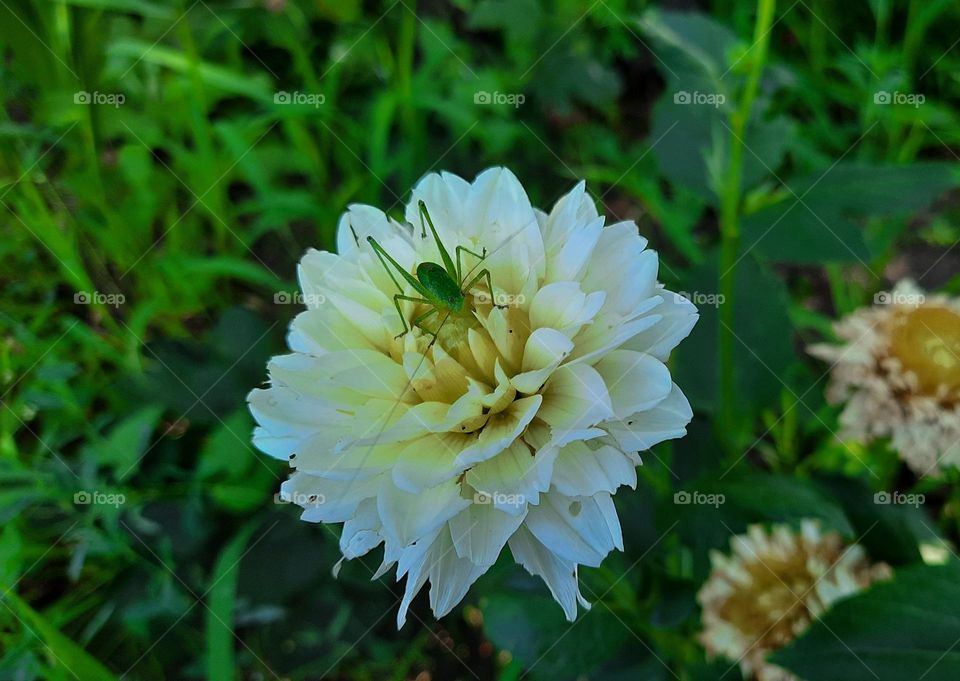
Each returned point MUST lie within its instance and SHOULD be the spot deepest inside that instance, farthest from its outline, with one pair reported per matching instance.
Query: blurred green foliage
(163, 166)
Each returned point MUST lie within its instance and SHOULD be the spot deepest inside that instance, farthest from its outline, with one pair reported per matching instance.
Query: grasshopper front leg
(406, 327)
(460, 251)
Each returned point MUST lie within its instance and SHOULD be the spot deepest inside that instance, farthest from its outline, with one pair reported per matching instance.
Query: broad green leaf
(762, 344)
(691, 48)
(689, 139)
(777, 498)
(824, 217)
(535, 632)
(889, 531)
(907, 628)
(712, 510)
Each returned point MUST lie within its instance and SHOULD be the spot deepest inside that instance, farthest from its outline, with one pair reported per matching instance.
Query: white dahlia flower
(898, 371)
(772, 587)
(516, 425)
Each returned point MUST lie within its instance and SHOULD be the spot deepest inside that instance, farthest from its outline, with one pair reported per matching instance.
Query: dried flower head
(898, 371)
(772, 587)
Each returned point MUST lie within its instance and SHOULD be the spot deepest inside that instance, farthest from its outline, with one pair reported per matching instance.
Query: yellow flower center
(771, 609)
(927, 342)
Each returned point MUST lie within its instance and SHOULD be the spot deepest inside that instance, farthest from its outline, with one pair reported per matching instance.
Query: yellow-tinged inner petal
(927, 342)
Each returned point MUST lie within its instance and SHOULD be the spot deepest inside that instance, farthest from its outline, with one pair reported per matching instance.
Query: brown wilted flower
(898, 371)
(772, 586)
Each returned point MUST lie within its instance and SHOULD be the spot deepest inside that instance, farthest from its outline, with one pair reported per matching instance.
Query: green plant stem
(405, 58)
(730, 200)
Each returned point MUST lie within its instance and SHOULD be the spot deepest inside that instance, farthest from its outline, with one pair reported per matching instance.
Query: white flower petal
(579, 529)
(583, 471)
(450, 575)
(513, 478)
(667, 421)
(412, 561)
(542, 354)
(620, 249)
(361, 533)
(480, 532)
(557, 305)
(501, 430)
(429, 460)
(635, 381)
(327, 501)
(676, 317)
(365, 221)
(558, 574)
(407, 517)
(573, 256)
(445, 196)
(575, 398)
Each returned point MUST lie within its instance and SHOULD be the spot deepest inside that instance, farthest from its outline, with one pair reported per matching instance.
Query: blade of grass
(221, 662)
(79, 663)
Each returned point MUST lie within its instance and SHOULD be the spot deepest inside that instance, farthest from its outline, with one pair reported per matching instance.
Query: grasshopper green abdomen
(440, 286)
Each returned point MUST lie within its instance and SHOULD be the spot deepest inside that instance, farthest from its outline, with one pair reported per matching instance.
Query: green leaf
(534, 630)
(222, 595)
(728, 505)
(212, 75)
(221, 454)
(692, 49)
(907, 628)
(762, 346)
(64, 653)
(125, 444)
(824, 217)
(217, 267)
(776, 498)
(146, 9)
(889, 532)
(11, 547)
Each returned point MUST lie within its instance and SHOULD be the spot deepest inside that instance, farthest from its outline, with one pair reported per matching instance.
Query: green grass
(155, 196)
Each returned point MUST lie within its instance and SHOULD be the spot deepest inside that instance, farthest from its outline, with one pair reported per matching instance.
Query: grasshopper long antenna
(502, 244)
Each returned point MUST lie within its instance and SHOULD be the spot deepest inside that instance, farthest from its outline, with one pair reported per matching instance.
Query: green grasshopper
(440, 287)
